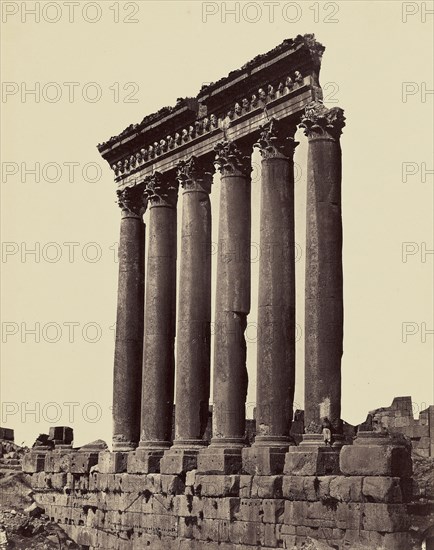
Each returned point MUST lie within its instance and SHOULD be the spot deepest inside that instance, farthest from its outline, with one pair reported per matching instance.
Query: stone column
(323, 295)
(194, 318)
(127, 380)
(324, 289)
(276, 303)
(232, 306)
(160, 311)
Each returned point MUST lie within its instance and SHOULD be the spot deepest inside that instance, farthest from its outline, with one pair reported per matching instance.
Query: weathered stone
(310, 462)
(375, 460)
(263, 460)
(346, 489)
(112, 463)
(160, 318)
(267, 487)
(217, 485)
(232, 306)
(274, 510)
(324, 281)
(385, 517)
(194, 315)
(177, 460)
(33, 462)
(382, 489)
(82, 462)
(276, 301)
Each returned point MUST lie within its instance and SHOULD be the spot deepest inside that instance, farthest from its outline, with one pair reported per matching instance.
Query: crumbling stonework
(105, 505)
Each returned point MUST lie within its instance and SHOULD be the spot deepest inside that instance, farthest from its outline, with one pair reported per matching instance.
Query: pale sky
(66, 293)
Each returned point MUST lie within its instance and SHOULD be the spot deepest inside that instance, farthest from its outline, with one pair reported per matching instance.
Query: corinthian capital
(133, 199)
(194, 174)
(230, 161)
(161, 190)
(318, 121)
(276, 140)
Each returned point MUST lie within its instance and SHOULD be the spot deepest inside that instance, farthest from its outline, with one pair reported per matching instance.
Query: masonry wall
(398, 418)
(115, 511)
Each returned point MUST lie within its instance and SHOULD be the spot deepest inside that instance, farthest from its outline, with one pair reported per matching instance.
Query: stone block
(349, 515)
(246, 532)
(382, 489)
(63, 435)
(293, 487)
(221, 508)
(245, 486)
(187, 506)
(346, 489)
(273, 510)
(267, 487)
(263, 461)
(82, 462)
(57, 462)
(385, 517)
(172, 484)
(295, 512)
(142, 461)
(112, 462)
(250, 509)
(375, 460)
(219, 460)
(177, 461)
(318, 461)
(33, 462)
(217, 485)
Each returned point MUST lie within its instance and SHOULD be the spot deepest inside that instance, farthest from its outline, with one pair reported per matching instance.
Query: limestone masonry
(186, 491)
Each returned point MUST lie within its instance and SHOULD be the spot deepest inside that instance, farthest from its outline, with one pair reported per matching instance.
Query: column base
(313, 458)
(146, 458)
(223, 456)
(266, 456)
(181, 457)
(123, 446)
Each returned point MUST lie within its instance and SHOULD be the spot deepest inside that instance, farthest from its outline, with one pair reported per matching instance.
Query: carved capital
(318, 121)
(276, 140)
(133, 199)
(161, 190)
(230, 161)
(194, 175)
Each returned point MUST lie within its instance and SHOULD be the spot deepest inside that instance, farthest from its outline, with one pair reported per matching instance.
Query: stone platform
(102, 506)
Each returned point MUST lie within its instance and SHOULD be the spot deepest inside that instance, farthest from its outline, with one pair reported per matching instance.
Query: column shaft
(127, 379)
(233, 297)
(194, 316)
(160, 310)
(276, 302)
(324, 289)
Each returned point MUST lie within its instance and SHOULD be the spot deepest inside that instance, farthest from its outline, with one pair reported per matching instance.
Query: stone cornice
(318, 121)
(161, 190)
(195, 175)
(284, 72)
(133, 199)
(276, 140)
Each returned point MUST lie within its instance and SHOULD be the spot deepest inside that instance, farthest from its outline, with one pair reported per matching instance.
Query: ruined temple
(155, 490)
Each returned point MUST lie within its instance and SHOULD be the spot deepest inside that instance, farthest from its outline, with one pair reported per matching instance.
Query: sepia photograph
(216, 286)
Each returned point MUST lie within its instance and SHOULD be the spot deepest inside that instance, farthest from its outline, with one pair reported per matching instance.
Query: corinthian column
(194, 318)
(232, 306)
(127, 379)
(276, 303)
(160, 310)
(324, 292)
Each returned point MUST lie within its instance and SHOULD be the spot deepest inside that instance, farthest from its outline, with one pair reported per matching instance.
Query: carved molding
(133, 199)
(194, 175)
(276, 140)
(208, 124)
(161, 190)
(230, 161)
(318, 121)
